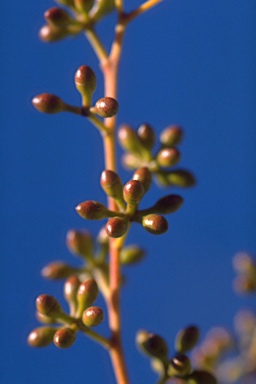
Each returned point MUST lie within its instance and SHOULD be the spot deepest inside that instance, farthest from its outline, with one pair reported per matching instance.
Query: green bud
(47, 103)
(92, 316)
(116, 226)
(50, 33)
(80, 242)
(129, 139)
(171, 136)
(186, 339)
(41, 337)
(152, 344)
(168, 204)
(155, 224)
(168, 157)
(70, 292)
(143, 175)
(131, 161)
(101, 8)
(147, 135)
(181, 178)
(131, 254)
(57, 270)
(83, 6)
(106, 107)
(112, 184)
(133, 192)
(64, 337)
(49, 306)
(85, 81)
(179, 366)
(201, 377)
(57, 17)
(92, 210)
(86, 295)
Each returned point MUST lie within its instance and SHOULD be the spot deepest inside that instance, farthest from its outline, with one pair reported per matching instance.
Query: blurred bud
(112, 184)
(245, 322)
(147, 135)
(48, 305)
(49, 33)
(155, 224)
(131, 254)
(92, 316)
(64, 337)
(186, 339)
(103, 238)
(168, 204)
(106, 107)
(181, 178)
(180, 365)
(47, 103)
(129, 139)
(116, 226)
(131, 161)
(83, 6)
(152, 344)
(243, 262)
(133, 192)
(143, 175)
(57, 16)
(92, 210)
(101, 8)
(171, 136)
(201, 377)
(85, 81)
(80, 242)
(245, 284)
(86, 295)
(57, 270)
(68, 3)
(70, 292)
(41, 337)
(168, 157)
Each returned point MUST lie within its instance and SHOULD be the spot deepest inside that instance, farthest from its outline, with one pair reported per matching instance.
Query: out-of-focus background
(187, 62)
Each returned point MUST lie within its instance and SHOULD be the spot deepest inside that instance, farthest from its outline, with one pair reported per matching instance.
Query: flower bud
(181, 178)
(143, 175)
(131, 254)
(129, 139)
(180, 365)
(168, 157)
(171, 136)
(64, 337)
(147, 135)
(83, 6)
(155, 224)
(131, 161)
(133, 192)
(92, 316)
(92, 210)
(57, 270)
(186, 339)
(101, 8)
(47, 103)
(112, 184)
(67, 3)
(85, 81)
(168, 204)
(70, 292)
(116, 226)
(57, 16)
(41, 337)
(49, 33)
(201, 377)
(80, 242)
(48, 305)
(106, 107)
(152, 344)
(86, 295)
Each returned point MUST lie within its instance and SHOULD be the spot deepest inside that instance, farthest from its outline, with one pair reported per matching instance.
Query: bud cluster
(127, 198)
(80, 297)
(139, 145)
(178, 368)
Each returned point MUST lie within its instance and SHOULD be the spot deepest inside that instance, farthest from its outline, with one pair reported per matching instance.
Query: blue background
(186, 62)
